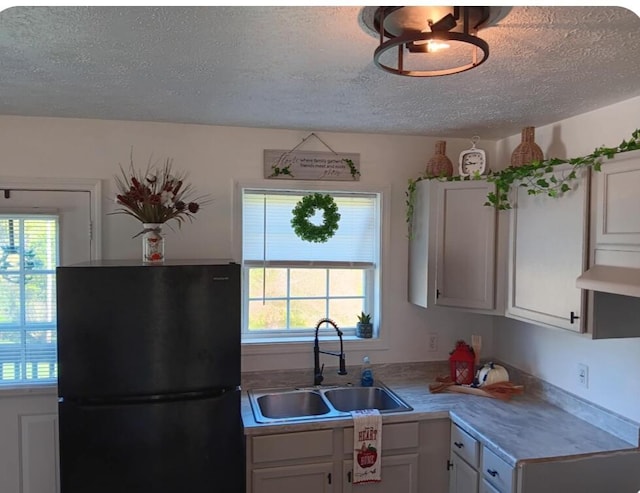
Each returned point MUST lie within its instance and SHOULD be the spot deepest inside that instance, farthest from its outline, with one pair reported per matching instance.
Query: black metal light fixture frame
(439, 31)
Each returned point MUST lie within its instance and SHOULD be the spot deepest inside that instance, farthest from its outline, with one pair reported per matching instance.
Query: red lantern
(461, 362)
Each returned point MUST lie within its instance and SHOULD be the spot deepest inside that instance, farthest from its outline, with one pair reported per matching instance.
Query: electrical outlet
(433, 343)
(583, 375)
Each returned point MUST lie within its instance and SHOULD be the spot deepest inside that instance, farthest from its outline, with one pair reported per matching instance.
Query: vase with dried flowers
(155, 196)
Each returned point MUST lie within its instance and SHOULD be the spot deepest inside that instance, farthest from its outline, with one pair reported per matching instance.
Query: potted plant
(364, 327)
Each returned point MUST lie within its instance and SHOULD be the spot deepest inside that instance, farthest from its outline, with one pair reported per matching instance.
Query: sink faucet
(317, 369)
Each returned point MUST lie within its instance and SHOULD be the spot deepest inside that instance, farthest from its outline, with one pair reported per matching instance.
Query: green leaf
(542, 183)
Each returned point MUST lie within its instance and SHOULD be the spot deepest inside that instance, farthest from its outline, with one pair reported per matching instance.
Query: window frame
(93, 186)
(298, 344)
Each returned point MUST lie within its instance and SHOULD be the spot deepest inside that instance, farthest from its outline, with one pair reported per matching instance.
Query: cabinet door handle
(437, 293)
(459, 444)
(349, 477)
(573, 317)
(493, 472)
(449, 465)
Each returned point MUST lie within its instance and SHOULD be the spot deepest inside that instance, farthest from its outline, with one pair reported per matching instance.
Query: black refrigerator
(149, 378)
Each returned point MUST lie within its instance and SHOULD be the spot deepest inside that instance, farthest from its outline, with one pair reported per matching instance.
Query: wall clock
(472, 161)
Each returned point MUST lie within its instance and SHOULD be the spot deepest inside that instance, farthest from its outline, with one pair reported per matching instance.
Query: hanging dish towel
(367, 445)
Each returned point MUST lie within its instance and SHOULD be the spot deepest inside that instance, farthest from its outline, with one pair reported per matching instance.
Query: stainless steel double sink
(299, 404)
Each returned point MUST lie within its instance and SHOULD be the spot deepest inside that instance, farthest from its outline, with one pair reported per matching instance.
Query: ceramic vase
(527, 151)
(152, 243)
(440, 164)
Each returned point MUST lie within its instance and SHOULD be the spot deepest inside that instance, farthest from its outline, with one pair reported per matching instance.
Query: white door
(28, 414)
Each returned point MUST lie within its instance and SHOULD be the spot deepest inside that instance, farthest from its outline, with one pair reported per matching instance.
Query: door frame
(91, 185)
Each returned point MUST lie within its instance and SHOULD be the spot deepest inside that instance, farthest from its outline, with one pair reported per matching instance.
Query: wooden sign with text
(311, 165)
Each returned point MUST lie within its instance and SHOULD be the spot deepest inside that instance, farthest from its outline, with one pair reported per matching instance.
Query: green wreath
(306, 208)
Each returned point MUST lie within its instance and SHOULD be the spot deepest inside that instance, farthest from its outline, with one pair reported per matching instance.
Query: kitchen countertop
(522, 429)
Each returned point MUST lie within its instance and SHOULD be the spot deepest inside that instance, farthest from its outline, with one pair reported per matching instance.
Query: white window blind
(269, 237)
(28, 259)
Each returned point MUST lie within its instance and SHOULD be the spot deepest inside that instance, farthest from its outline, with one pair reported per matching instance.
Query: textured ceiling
(308, 68)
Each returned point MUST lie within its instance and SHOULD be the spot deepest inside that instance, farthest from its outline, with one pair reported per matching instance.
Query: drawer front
(496, 471)
(465, 445)
(303, 445)
(485, 487)
(396, 436)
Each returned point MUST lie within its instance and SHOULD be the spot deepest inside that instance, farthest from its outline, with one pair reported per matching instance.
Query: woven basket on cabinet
(440, 164)
(527, 151)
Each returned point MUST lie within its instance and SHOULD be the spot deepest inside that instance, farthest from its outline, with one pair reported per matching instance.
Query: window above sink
(289, 284)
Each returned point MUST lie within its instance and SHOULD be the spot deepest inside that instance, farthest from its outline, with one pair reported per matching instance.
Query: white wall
(215, 158)
(614, 365)
(218, 156)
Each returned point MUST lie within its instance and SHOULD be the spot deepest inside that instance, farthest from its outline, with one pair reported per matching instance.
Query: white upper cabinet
(617, 205)
(421, 268)
(453, 246)
(615, 250)
(466, 245)
(548, 250)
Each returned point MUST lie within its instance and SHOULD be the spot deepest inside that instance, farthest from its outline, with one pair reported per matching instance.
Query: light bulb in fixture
(434, 45)
(427, 45)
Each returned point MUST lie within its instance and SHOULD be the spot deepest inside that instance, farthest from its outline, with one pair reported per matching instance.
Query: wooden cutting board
(501, 390)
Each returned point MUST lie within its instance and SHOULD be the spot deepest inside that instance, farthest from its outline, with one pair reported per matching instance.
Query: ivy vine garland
(306, 208)
(531, 176)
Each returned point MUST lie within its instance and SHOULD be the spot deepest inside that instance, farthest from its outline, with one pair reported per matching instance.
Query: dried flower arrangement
(156, 195)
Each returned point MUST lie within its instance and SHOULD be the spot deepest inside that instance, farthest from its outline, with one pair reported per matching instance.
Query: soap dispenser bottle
(366, 375)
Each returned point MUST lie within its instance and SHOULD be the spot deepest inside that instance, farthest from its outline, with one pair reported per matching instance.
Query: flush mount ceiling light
(429, 41)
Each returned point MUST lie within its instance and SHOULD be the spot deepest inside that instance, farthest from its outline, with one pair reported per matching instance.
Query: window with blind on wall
(290, 284)
(28, 259)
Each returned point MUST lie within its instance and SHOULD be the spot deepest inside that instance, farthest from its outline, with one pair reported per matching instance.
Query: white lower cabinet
(413, 460)
(431, 456)
(464, 461)
(485, 487)
(497, 472)
(292, 462)
(307, 478)
(474, 468)
(399, 470)
(464, 478)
